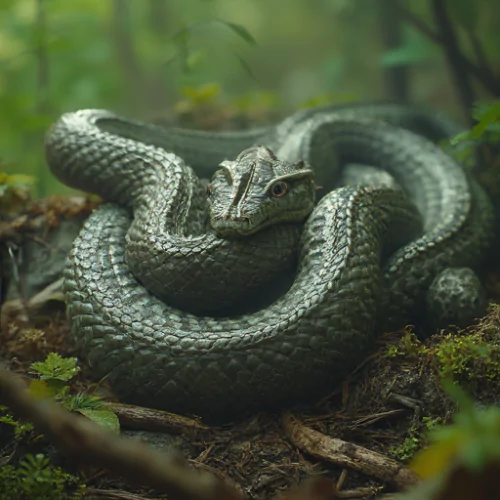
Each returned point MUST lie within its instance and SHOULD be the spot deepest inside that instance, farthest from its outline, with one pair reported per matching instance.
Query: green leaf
(84, 401)
(39, 389)
(34, 462)
(414, 49)
(488, 116)
(405, 55)
(103, 417)
(241, 31)
(482, 109)
(56, 367)
(245, 66)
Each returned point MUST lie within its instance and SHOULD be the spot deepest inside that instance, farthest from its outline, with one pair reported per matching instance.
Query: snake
(270, 285)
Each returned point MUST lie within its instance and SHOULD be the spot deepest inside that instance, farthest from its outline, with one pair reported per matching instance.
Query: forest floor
(360, 437)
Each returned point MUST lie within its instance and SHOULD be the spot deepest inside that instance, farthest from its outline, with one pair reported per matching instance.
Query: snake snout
(230, 225)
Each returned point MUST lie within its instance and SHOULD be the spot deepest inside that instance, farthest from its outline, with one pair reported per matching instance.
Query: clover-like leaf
(56, 367)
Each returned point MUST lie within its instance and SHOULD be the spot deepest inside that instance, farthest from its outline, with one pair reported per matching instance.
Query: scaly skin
(205, 150)
(363, 261)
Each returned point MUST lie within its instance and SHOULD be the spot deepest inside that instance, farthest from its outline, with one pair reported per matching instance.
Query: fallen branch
(95, 493)
(349, 455)
(22, 311)
(85, 442)
(149, 419)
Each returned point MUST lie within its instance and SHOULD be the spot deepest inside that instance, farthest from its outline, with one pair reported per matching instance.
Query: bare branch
(85, 442)
(348, 454)
(455, 58)
(482, 75)
(149, 419)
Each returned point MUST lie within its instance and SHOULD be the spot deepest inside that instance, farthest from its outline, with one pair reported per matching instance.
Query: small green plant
(462, 458)
(407, 345)
(432, 424)
(55, 367)
(55, 373)
(407, 449)
(473, 438)
(22, 430)
(486, 131)
(416, 439)
(15, 192)
(36, 478)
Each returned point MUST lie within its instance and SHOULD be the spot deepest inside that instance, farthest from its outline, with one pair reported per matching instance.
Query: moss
(468, 357)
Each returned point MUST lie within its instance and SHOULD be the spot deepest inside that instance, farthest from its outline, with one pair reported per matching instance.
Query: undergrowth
(467, 356)
(36, 478)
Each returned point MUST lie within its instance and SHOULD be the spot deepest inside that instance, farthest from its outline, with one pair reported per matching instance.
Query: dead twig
(97, 493)
(348, 454)
(149, 419)
(24, 311)
(315, 488)
(368, 420)
(85, 442)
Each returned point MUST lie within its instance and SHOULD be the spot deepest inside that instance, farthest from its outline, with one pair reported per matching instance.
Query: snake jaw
(232, 228)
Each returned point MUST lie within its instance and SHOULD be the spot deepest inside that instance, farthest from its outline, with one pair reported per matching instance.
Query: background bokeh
(216, 64)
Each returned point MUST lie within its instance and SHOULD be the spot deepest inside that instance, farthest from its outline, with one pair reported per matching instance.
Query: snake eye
(210, 188)
(279, 189)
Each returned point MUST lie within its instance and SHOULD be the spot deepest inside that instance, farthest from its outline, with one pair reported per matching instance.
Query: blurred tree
(139, 57)
(396, 77)
(455, 23)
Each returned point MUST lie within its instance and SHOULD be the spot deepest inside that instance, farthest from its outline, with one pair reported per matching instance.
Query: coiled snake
(196, 303)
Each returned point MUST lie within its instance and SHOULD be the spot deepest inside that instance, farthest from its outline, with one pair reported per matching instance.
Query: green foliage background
(140, 57)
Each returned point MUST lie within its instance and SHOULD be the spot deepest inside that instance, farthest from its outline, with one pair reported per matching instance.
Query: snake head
(258, 190)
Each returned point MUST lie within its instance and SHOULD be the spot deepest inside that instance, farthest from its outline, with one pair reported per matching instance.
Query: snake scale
(149, 269)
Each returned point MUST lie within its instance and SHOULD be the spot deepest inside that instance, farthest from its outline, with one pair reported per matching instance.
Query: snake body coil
(367, 255)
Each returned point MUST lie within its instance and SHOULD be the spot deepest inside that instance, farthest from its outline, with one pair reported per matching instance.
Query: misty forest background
(229, 64)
